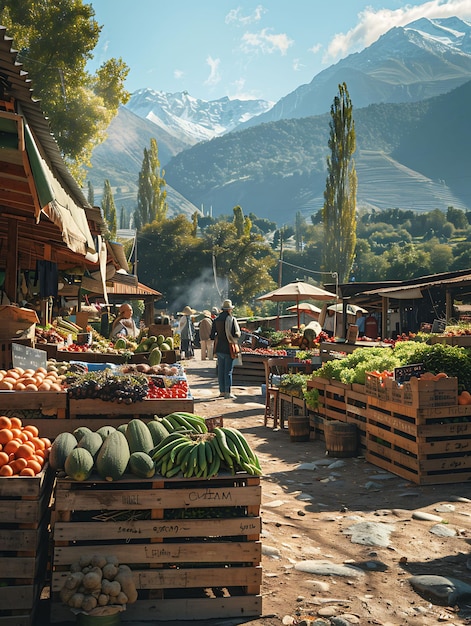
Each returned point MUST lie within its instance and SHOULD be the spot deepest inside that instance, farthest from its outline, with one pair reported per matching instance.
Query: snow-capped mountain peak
(184, 116)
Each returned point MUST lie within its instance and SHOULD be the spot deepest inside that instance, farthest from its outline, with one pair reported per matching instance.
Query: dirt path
(307, 514)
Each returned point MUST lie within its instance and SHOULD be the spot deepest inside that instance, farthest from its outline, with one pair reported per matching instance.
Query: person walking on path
(225, 330)
(187, 333)
(207, 344)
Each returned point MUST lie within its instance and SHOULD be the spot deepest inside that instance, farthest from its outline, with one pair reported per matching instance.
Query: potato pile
(41, 379)
(96, 582)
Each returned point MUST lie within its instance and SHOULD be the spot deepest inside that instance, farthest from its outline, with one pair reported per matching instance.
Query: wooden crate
(252, 371)
(45, 409)
(356, 413)
(427, 445)
(24, 543)
(160, 329)
(335, 406)
(184, 566)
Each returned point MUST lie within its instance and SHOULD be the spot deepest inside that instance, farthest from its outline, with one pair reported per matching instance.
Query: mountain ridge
(405, 65)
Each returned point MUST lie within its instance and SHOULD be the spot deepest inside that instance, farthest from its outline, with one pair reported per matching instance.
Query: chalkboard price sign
(28, 358)
(405, 373)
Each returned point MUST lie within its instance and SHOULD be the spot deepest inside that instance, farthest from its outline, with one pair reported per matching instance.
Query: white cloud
(266, 42)
(316, 48)
(214, 77)
(178, 74)
(297, 65)
(372, 24)
(235, 16)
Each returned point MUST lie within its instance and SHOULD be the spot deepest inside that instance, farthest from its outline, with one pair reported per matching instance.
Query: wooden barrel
(299, 427)
(341, 439)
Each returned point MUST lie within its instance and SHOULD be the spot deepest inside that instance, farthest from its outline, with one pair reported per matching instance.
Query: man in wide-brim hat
(187, 333)
(206, 343)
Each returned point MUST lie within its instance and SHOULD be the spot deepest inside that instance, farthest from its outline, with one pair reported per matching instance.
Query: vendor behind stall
(123, 324)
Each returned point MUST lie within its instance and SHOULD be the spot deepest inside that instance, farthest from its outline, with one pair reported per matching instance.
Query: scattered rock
(442, 531)
(445, 508)
(270, 551)
(370, 533)
(426, 517)
(441, 590)
(325, 568)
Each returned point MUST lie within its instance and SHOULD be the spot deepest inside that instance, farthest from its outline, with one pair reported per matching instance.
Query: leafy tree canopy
(55, 40)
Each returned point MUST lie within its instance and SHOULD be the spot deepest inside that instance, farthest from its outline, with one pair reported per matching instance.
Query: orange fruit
(24, 451)
(17, 465)
(34, 465)
(27, 471)
(3, 458)
(11, 447)
(16, 422)
(6, 470)
(5, 422)
(34, 430)
(6, 435)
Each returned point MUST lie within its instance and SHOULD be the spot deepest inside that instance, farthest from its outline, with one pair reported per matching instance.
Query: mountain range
(407, 89)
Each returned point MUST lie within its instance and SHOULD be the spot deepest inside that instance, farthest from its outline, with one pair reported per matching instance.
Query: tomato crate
(419, 392)
(24, 545)
(427, 445)
(193, 545)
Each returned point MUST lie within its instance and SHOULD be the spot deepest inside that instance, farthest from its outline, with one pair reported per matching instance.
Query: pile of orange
(19, 379)
(22, 451)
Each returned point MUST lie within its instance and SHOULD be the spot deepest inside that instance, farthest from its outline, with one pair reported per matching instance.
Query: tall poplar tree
(91, 194)
(339, 212)
(151, 193)
(109, 209)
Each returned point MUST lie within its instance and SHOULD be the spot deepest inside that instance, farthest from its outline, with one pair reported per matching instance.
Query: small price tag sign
(291, 353)
(405, 373)
(27, 358)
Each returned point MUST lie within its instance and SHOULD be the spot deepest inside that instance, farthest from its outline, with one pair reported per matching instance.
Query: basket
(98, 620)
(341, 439)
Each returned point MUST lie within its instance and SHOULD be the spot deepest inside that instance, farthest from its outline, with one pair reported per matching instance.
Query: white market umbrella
(307, 308)
(352, 309)
(298, 290)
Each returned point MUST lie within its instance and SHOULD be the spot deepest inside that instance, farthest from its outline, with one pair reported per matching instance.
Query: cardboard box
(17, 322)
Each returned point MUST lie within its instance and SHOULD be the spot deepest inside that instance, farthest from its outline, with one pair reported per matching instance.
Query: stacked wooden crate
(193, 545)
(24, 544)
(422, 433)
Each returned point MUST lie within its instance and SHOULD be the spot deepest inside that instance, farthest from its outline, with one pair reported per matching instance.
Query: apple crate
(426, 445)
(24, 545)
(193, 545)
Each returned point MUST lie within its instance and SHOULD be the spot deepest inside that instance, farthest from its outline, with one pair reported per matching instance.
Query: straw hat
(227, 305)
(207, 313)
(187, 311)
(215, 310)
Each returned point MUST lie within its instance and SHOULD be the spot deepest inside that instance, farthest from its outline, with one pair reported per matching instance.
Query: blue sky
(218, 48)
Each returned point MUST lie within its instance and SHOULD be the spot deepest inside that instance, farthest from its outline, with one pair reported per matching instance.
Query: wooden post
(11, 288)
(384, 317)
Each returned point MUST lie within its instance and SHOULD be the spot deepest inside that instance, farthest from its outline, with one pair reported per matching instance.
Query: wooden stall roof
(38, 195)
(371, 293)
